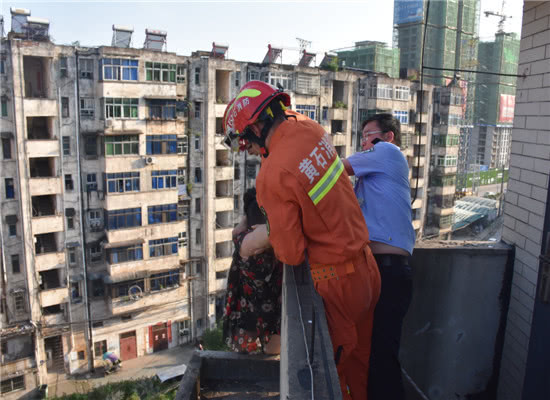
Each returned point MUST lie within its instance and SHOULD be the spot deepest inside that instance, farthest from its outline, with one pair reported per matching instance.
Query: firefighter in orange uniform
(310, 206)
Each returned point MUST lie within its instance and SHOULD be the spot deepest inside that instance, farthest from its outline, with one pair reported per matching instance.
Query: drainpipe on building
(82, 231)
(206, 210)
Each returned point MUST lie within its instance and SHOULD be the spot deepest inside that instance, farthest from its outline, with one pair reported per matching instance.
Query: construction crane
(500, 14)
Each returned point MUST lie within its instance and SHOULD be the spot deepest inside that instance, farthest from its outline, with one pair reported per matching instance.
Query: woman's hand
(255, 242)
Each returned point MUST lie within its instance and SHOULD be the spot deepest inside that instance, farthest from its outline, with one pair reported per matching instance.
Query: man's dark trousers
(385, 382)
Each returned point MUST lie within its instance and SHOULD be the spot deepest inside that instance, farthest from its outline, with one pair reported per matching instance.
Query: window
(183, 209)
(118, 255)
(6, 149)
(162, 214)
(160, 72)
(100, 348)
(69, 182)
(381, 91)
(445, 220)
(253, 75)
(12, 226)
(76, 297)
(95, 252)
(197, 76)
(121, 182)
(236, 202)
(308, 111)
(162, 144)
(12, 384)
(123, 289)
(180, 73)
(72, 256)
(182, 144)
(163, 247)
(66, 145)
(446, 161)
(70, 221)
(455, 120)
(90, 145)
(198, 238)
(402, 116)
(181, 176)
(285, 79)
(91, 182)
(121, 145)
(163, 179)
(19, 301)
(4, 108)
(65, 107)
(87, 107)
(198, 175)
(165, 280)
(237, 172)
(162, 109)
(63, 67)
(117, 69)
(116, 107)
(124, 218)
(86, 66)
(81, 355)
(305, 84)
(197, 109)
(182, 239)
(98, 288)
(15, 266)
(10, 188)
(445, 140)
(2, 66)
(197, 142)
(402, 93)
(325, 113)
(197, 205)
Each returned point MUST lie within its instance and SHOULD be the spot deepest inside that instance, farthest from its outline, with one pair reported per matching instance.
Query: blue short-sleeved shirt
(384, 194)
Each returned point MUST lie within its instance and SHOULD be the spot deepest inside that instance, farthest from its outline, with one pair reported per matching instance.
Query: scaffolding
(373, 56)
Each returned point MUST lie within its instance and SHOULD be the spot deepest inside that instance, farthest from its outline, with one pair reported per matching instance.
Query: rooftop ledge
(451, 345)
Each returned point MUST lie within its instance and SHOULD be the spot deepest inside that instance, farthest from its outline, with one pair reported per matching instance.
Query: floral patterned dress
(253, 300)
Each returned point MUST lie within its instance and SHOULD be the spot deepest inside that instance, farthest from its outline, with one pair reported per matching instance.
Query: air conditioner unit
(149, 160)
(184, 332)
(108, 123)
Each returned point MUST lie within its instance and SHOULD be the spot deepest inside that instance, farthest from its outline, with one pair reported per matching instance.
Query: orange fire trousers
(349, 301)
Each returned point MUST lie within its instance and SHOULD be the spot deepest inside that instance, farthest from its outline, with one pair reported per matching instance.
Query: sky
(246, 26)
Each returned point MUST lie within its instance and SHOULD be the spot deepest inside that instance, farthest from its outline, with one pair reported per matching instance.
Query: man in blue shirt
(384, 194)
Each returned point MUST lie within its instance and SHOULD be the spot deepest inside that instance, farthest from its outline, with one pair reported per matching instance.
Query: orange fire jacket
(307, 196)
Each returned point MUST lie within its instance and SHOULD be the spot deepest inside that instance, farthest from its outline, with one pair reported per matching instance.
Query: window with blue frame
(164, 179)
(125, 218)
(162, 109)
(162, 144)
(165, 280)
(163, 247)
(118, 255)
(308, 111)
(118, 69)
(162, 214)
(121, 182)
(325, 113)
(402, 116)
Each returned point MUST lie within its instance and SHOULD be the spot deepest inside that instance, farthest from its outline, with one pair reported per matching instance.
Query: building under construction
(372, 56)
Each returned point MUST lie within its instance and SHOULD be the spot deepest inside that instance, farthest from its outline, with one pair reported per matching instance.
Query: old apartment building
(118, 198)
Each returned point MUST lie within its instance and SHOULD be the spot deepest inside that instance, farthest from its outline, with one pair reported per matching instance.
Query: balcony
(51, 297)
(219, 109)
(10, 367)
(452, 338)
(47, 224)
(223, 204)
(222, 264)
(40, 107)
(45, 186)
(339, 139)
(47, 261)
(338, 113)
(42, 148)
(119, 272)
(54, 319)
(222, 235)
(124, 305)
(224, 173)
(153, 231)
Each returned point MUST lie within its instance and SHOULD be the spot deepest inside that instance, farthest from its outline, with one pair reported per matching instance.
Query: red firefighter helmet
(248, 105)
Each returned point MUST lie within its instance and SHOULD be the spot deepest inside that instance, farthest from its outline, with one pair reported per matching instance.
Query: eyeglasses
(372, 133)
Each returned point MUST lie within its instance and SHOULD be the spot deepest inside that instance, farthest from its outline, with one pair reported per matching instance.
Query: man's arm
(348, 167)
